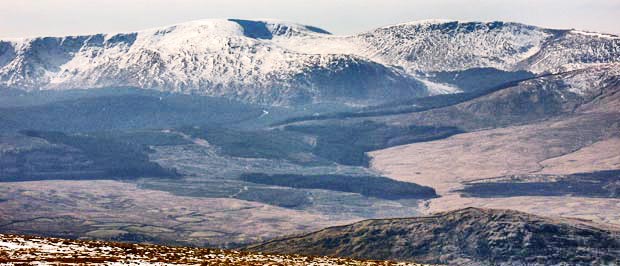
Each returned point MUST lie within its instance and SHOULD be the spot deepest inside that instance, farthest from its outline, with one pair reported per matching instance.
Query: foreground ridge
(470, 236)
(19, 249)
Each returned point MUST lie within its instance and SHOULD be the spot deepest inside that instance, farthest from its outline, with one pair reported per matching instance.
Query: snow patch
(440, 88)
(587, 81)
(596, 34)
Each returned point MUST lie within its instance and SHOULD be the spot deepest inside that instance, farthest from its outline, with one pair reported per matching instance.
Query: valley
(121, 211)
(424, 141)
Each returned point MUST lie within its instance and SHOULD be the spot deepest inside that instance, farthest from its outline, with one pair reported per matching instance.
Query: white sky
(22, 18)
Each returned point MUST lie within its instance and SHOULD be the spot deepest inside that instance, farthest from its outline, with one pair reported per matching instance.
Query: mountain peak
(423, 22)
(463, 25)
(254, 28)
(267, 29)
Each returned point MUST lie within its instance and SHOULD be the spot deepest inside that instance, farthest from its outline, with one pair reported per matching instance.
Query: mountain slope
(468, 236)
(453, 45)
(231, 58)
(580, 105)
(594, 89)
(447, 45)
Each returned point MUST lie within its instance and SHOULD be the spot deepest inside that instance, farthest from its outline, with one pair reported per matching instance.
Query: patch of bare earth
(123, 211)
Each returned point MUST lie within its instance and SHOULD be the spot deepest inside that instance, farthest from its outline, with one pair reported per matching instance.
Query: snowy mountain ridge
(278, 62)
(449, 45)
(230, 58)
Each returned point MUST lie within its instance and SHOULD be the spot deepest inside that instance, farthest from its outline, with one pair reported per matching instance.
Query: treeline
(116, 158)
(371, 186)
(348, 143)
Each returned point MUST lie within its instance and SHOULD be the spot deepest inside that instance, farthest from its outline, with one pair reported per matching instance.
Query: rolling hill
(469, 236)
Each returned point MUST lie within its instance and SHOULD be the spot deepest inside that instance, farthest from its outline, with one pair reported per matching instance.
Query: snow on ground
(596, 34)
(440, 88)
(19, 250)
(588, 80)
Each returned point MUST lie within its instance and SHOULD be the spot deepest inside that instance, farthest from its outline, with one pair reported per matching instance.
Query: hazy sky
(21, 18)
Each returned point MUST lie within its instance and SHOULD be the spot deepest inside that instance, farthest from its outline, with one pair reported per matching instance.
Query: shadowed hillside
(466, 236)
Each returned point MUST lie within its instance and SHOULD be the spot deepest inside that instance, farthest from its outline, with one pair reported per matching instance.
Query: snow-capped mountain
(452, 45)
(447, 45)
(231, 58)
(275, 62)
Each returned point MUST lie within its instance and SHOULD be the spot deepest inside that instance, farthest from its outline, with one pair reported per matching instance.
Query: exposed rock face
(467, 236)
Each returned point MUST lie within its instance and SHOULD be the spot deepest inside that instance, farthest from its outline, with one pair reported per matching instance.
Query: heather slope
(465, 237)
